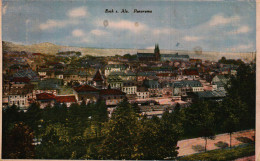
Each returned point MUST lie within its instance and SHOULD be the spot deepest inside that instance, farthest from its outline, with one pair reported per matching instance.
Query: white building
(115, 68)
(142, 93)
(19, 97)
(129, 87)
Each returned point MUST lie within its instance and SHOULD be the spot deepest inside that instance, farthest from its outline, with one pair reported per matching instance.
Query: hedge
(223, 154)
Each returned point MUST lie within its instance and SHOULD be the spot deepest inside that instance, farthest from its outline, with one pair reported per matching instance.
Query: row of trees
(236, 112)
(85, 132)
(230, 61)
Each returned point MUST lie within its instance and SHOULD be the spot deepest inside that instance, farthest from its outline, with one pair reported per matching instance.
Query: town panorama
(76, 96)
(128, 80)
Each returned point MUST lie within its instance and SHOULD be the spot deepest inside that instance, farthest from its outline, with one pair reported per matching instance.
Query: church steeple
(157, 52)
(156, 49)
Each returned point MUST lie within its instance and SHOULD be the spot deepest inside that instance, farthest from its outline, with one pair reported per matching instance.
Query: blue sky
(215, 25)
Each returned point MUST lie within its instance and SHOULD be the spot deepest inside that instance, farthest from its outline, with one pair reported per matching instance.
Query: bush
(244, 140)
(221, 144)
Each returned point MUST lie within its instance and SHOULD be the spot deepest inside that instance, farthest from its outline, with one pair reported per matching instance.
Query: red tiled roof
(98, 77)
(85, 88)
(45, 96)
(111, 92)
(166, 74)
(21, 79)
(36, 54)
(62, 99)
(190, 72)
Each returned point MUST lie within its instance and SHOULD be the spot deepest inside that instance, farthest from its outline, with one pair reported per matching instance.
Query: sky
(213, 25)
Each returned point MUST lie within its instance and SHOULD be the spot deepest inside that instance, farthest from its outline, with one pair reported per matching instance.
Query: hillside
(49, 48)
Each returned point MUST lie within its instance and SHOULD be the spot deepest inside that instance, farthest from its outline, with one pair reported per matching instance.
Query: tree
(242, 88)
(120, 141)
(206, 124)
(78, 53)
(148, 138)
(55, 143)
(177, 115)
(77, 122)
(33, 116)
(136, 108)
(231, 113)
(230, 125)
(18, 143)
(10, 115)
(201, 119)
(101, 111)
(169, 135)
(49, 114)
(158, 138)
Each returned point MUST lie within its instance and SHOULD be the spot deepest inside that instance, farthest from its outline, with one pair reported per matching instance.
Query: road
(191, 146)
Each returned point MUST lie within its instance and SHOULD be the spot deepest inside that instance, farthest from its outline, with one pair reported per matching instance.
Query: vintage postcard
(129, 79)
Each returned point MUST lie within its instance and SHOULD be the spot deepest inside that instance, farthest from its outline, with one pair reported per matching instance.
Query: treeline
(85, 131)
(223, 60)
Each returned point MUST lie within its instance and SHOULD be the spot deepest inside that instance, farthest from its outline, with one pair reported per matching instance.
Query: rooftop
(63, 99)
(111, 92)
(210, 94)
(85, 88)
(98, 77)
(45, 96)
(187, 83)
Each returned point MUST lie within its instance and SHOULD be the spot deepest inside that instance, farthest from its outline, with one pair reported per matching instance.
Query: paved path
(191, 146)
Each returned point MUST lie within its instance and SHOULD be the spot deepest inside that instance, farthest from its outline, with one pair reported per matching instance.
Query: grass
(223, 154)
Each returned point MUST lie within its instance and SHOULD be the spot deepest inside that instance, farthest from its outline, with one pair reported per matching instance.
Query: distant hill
(49, 48)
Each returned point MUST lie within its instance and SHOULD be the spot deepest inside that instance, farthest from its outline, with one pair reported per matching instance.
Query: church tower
(157, 53)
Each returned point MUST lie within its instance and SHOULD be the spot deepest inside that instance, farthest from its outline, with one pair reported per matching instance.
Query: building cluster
(154, 81)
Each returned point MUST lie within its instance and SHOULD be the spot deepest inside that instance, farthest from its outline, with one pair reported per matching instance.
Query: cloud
(219, 19)
(78, 12)
(98, 32)
(73, 13)
(164, 31)
(78, 33)
(51, 23)
(150, 47)
(85, 40)
(192, 38)
(132, 26)
(240, 30)
(80, 36)
(241, 47)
